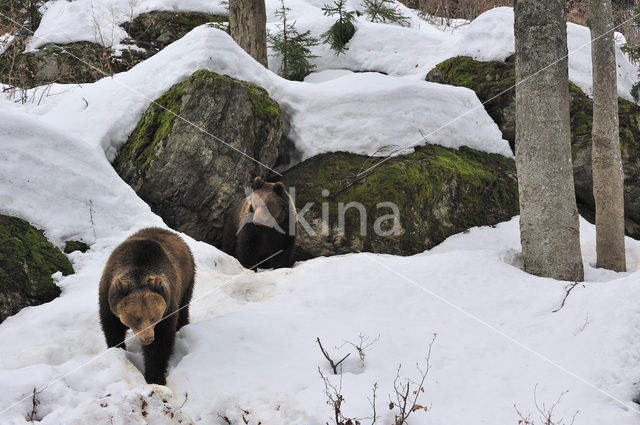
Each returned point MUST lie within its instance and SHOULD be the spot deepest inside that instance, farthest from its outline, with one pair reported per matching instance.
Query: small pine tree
(293, 46)
(383, 11)
(222, 25)
(341, 32)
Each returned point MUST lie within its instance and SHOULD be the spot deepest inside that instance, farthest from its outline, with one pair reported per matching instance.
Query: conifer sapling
(293, 46)
(341, 32)
(383, 11)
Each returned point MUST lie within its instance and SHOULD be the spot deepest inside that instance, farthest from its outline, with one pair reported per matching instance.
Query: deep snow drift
(251, 349)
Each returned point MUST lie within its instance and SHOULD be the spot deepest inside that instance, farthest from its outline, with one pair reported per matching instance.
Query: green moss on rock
(157, 122)
(155, 30)
(85, 62)
(80, 62)
(490, 80)
(629, 134)
(190, 169)
(439, 192)
(152, 130)
(27, 261)
(493, 83)
(73, 246)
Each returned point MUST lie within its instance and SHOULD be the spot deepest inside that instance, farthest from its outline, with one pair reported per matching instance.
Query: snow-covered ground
(251, 349)
(251, 345)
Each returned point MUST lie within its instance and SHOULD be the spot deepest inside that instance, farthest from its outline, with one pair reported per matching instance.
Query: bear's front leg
(156, 354)
(114, 330)
(285, 257)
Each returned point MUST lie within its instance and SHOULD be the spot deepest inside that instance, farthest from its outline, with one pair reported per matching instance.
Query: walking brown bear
(259, 229)
(147, 278)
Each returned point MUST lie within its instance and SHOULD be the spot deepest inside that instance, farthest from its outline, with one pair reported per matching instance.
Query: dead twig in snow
(333, 364)
(545, 413)
(406, 396)
(568, 290)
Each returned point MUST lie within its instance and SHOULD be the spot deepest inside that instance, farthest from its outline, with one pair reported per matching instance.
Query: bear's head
(268, 205)
(139, 306)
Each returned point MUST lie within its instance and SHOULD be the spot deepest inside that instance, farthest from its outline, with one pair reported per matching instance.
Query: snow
(490, 37)
(5, 42)
(99, 22)
(410, 51)
(578, 39)
(85, 185)
(104, 113)
(251, 344)
(250, 352)
(326, 75)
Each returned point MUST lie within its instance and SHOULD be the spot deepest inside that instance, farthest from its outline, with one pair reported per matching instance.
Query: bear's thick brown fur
(147, 278)
(259, 229)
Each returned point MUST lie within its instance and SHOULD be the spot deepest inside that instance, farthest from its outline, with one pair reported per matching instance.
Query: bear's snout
(146, 337)
(263, 217)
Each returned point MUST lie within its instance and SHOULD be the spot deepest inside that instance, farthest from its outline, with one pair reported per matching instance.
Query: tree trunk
(549, 226)
(248, 27)
(608, 177)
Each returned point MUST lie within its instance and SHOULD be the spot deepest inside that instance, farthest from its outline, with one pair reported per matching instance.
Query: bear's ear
(121, 286)
(279, 188)
(119, 289)
(159, 284)
(257, 183)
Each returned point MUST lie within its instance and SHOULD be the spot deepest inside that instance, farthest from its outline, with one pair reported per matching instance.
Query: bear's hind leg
(156, 354)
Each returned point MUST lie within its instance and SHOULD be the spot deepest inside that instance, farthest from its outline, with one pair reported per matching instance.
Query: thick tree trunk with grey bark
(248, 27)
(549, 227)
(608, 177)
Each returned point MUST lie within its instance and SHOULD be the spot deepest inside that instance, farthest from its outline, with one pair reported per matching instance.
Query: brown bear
(259, 229)
(146, 286)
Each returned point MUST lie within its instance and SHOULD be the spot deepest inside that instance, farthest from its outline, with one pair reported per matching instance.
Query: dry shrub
(455, 9)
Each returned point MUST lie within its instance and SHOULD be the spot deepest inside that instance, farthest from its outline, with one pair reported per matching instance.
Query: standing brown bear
(259, 229)
(147, 278)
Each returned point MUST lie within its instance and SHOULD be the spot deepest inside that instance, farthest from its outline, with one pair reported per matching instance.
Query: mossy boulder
(85, 62)
(154, 31)
(490, 80)
(581, 123)
(438, 192)
(27, 261)
(190, 169)
(73, 246)
(74, 63)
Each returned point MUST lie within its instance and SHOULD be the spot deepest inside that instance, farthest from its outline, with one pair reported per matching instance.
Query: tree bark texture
(549, 226)
(608, 176)
(248, 27)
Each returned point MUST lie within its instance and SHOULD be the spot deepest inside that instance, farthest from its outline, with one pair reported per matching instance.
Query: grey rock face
(27, 261)
(190, 169)
(437, 191)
